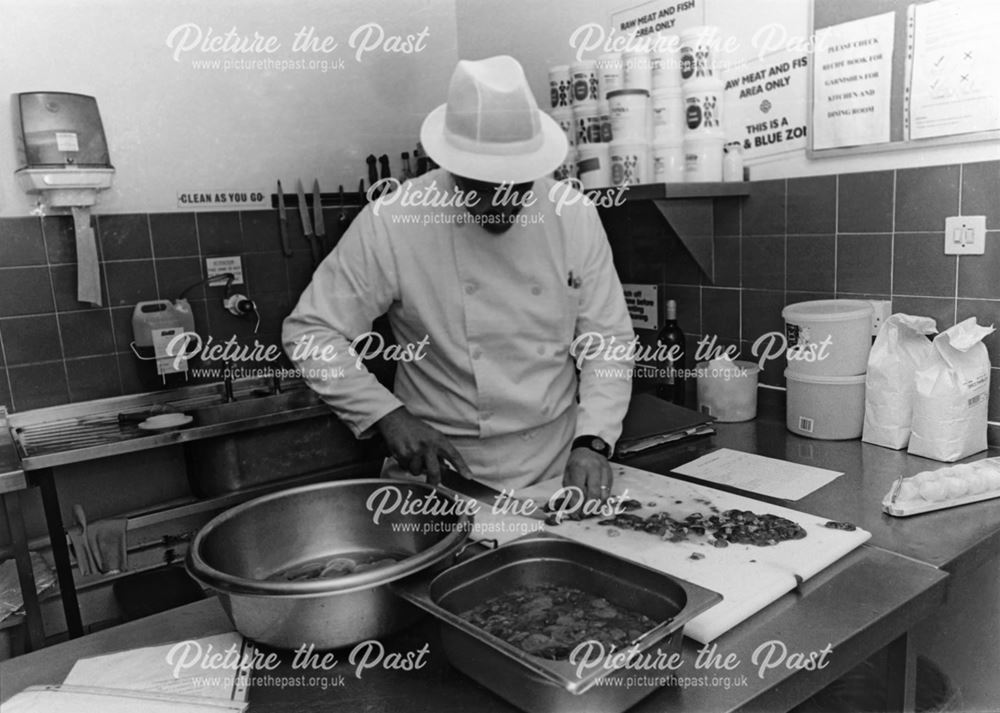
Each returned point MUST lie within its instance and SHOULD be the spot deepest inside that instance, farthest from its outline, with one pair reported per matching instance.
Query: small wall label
(221, 199)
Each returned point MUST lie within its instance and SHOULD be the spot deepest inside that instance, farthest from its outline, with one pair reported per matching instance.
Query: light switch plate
(965, 235)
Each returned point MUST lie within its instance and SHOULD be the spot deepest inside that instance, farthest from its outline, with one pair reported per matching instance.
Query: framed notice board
(901, 74)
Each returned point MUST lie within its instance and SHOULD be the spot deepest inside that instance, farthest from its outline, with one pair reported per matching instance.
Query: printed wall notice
(658, 16)
(952, 57)
(766, 103)
(222, 199)
(852, 83)
(643, 305)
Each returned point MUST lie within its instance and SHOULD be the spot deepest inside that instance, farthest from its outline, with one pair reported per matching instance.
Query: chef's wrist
(592, 443)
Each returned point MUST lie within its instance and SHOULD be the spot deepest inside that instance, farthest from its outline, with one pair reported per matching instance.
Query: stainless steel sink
(252, 406)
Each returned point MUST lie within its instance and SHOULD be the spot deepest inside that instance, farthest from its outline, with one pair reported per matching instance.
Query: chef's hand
(418, 447)
(589, 471)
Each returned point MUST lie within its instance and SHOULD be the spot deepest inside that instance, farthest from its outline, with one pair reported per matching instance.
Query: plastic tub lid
(827, 380)
(626, 92)
(827, 310)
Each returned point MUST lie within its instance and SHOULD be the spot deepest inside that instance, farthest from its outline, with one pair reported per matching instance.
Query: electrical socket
(881, 309)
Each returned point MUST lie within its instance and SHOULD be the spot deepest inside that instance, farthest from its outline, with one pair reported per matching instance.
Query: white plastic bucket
(587, 123)
(567, 169)
(668, 163)
(828, 337)
(697, 52)
(564, 117)
(703, 102)
(609, 73)
(727, 389)
(593, 165)
(828, 407)
(666, 65)
(637, 70)
(629, 163)
(668, 115)
(703, 157)
(560, 89)
(583, 77)
(629, 109)
(604, 111)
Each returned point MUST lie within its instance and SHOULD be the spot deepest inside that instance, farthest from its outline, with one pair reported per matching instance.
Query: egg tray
(901, 501)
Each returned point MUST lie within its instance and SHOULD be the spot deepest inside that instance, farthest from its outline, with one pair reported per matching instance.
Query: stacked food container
(703, 103)
(645, 115)
(827, 353)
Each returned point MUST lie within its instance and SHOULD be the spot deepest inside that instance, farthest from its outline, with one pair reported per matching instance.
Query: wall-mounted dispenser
(63, 156)
(61, 147)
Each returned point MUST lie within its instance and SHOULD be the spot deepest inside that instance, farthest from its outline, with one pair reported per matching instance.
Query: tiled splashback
(56, 349)
(877, 235)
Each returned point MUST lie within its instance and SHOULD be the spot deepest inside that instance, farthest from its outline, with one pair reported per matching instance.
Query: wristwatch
(594, 443)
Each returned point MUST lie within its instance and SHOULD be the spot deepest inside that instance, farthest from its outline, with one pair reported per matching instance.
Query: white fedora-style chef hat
(491, 128)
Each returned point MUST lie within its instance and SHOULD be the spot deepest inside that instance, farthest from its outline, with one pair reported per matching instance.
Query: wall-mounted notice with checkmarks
(953, 56)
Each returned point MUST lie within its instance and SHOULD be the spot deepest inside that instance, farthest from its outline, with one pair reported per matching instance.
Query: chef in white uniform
(494, 290)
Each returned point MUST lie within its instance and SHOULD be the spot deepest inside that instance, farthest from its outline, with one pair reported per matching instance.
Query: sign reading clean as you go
(232, 198)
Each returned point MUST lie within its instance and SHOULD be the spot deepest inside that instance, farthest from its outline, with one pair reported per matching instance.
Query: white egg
(924, 477)
(993, 480)
(956, 487)
(908, 490)
(933, 491)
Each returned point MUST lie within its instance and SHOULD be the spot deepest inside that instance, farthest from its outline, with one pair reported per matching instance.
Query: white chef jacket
(497, 313)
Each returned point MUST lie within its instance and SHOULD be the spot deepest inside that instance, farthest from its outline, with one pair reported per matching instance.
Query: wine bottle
(671, 381)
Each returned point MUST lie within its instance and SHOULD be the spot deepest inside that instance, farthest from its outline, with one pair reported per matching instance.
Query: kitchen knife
(372, 170)
(283, 223)
(307, 228)
(319, 225)
(383, 163)
(362, 196)
(343, 205)
(486, 495)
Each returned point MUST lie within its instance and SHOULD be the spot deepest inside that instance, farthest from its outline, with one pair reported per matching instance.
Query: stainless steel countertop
(856, 606)
(952, 539)
(183, 399)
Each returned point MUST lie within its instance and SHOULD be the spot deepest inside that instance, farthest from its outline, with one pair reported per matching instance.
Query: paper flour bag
(949, 406)
(900, 348)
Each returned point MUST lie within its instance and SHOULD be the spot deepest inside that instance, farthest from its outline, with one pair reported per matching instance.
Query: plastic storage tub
(727, 390)
(828, 337)
(826, 407)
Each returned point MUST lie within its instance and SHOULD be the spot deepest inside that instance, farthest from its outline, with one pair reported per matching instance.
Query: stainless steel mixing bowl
(237, 552)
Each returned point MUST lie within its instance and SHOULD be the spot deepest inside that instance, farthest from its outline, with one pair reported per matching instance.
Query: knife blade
(488, 496)
(283, 223)
(307, 228)
(343, 204)
(319, 225)
(362, 196)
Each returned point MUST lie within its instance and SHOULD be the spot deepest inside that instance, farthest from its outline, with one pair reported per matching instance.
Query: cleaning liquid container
(668, 162)
(825, 407)
(828, 337)
(630, 163)
(609, 74)
(703, 157)
(727, 389)
(593, 165)
(629, 114)
(560, 87)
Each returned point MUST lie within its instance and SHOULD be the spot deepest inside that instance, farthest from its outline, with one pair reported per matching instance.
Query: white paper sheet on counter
(152, 669)
(758, 474)
(88, 699)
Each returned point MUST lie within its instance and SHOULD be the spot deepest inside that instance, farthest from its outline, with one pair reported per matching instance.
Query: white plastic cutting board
(748, 577)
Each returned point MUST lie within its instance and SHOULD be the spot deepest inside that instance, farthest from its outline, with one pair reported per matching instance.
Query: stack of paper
(208, 675)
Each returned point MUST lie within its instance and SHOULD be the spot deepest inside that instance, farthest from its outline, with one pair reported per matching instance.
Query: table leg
(901, 675)
(25, 573)
(46, 482)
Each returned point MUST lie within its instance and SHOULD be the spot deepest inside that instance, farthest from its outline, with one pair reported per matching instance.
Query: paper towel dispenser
(61, 147)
